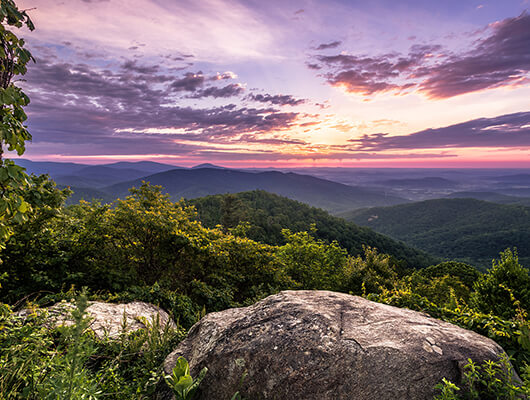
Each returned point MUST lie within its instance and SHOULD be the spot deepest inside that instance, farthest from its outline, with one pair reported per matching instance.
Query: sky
(303, 83)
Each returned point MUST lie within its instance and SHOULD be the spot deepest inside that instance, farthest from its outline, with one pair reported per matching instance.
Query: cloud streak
(278, 99)
(331, 45)
(231, 90)
(505, 131)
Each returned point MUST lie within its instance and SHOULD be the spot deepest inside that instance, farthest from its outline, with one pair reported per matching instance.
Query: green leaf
(182, 367)
(23, 207)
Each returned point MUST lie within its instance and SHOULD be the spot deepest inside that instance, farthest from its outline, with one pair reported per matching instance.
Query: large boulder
(326, 345)
(108, 319)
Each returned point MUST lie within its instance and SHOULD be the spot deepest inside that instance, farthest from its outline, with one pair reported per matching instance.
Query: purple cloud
(500, 59)
(231, 90)
(506, 131)
(132, 66)
(104, 109)
(278, 99)
(331, 45)
(313, 66)
(190, 82)
(370, 75)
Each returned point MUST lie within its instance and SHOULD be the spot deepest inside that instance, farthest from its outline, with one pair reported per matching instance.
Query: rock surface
(325, 345)
(108, 318)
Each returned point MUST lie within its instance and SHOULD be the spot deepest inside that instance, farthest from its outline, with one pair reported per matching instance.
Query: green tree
(444, 282)
(507, 281)
(13, 133)
(229, 209)
(135, 242)
(34, 255)
(371, 274)
(311, 262)
(441, 290)
(466, 273)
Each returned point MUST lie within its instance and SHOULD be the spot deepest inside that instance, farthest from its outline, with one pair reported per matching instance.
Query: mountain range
(110, 181)
(468, 230)
(475, 213)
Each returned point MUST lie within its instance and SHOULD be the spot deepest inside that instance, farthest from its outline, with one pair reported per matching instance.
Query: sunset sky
(258, 83)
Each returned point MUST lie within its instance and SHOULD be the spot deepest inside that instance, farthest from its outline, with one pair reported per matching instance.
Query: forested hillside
(492, 196)
(469, 230)
(146, 248)
(268, 214)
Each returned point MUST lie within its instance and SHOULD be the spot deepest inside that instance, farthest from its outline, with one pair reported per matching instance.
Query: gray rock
(110, 320)
(325, 345)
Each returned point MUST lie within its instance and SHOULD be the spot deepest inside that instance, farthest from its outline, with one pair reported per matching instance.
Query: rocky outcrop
(325, 345)
(110, 320)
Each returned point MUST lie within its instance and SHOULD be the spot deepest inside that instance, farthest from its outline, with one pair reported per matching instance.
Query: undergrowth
(40, 361)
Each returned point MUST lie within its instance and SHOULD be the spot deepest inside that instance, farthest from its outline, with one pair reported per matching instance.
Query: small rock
(109, 320)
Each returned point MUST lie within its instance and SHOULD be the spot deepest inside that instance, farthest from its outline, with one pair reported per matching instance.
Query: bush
(495, 290)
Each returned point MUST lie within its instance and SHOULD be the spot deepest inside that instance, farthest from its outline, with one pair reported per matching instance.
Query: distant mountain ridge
(469, 230)
(55, 169)
(331, 196)
(111, 181)
(492, 197)
(394, 185)
(208, 165)
(147, 166)
(49, 167)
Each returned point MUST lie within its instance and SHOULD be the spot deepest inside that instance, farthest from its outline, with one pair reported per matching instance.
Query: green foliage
(69, 362)
(130, 368)
(25, 349)
(511, 334)
(312, 263)
(40, 366)
(444, 283)
(142, 240)
(29, 270)
(448, 390)
(468, 230)
(373, 274)
(146, 233)
(444, 290)
(507, 281)
(13, 134)
(71, 380)
(179, 306)
(467, 274)
(180, 381)
(493, 380)
(268, 214)
(147, 248)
